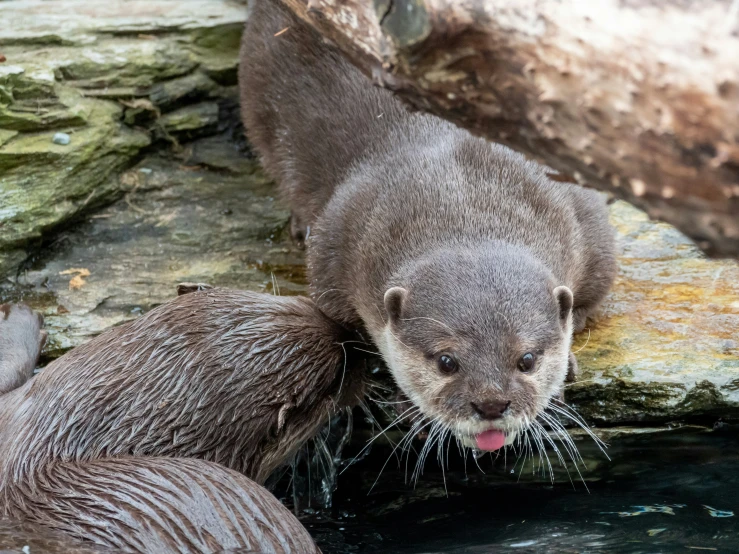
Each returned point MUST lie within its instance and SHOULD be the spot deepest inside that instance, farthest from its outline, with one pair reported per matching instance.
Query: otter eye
(447, 364)
(527, 361)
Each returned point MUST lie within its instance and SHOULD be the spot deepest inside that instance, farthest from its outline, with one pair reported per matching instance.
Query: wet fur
(477, 236)
(154, 435)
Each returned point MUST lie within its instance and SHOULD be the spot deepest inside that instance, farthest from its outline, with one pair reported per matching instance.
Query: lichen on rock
(666, 345)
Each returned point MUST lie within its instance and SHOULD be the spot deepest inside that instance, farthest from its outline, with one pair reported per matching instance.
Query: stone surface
(43, 184)
(103, 73)
(82, 22)
(178, 221)
(666, 345)
(191, 119)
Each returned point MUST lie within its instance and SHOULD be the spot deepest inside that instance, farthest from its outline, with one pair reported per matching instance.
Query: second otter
(155, 436)
(468, 267)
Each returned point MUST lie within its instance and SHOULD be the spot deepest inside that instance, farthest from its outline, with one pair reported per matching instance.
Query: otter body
(156, 435)
(467, 266)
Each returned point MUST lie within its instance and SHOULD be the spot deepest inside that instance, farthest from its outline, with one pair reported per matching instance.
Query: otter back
(230, 380)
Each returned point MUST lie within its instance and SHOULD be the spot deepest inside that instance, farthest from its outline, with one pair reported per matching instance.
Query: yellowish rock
(666, 344)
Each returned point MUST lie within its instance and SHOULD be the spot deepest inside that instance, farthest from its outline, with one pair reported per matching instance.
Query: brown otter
(147, 438)
(468, 267)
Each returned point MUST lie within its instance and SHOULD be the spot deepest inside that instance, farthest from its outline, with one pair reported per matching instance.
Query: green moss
(701, 399)
(67, 108)
(68, 79)
(6, 135)
(10, 259)
(621, 401)
(191, 118)
(176, 91)
(43, 184)
(130, 63)
(218, 52)
(222, 38)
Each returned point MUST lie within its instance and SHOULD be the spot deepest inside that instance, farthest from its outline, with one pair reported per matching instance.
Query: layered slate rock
(179, 221)
(112, 77)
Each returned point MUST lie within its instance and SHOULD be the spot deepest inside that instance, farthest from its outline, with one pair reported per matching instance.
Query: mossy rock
(43, 184)
(69, 63)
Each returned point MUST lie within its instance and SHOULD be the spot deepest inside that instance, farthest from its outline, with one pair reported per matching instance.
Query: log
(639, 98)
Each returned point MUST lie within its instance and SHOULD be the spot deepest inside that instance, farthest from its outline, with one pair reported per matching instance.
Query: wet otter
(147, 438)
(467, 266)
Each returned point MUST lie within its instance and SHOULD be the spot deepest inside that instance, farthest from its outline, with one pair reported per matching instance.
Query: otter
(467, 266)
(157, 435)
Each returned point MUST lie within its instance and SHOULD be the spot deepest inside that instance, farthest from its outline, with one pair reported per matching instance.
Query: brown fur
(21, 341)
(434, 241)
(97, 445)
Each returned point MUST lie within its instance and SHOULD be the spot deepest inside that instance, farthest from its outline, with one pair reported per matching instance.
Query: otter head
(478, 339)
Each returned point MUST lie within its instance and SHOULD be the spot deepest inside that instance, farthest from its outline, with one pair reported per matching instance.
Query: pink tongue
(490, 440)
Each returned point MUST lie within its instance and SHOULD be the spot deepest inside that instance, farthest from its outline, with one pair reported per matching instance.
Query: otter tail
(157, 505)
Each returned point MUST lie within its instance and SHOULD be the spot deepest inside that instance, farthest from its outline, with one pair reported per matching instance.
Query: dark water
(674, 493)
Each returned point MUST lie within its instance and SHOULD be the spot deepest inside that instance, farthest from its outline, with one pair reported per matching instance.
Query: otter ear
(394, 299)
(563, 296)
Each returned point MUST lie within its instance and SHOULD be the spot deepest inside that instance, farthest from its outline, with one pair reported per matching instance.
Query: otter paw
(571, 369)
(21, 339)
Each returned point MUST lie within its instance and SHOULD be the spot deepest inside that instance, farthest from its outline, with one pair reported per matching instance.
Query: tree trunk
(636, 97)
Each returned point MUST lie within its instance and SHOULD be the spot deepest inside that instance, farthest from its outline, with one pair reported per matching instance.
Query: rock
(43, 184)
(61, 138)
(31, 100)
(665, 347)
(615, 461)
(70, 62)
(667, 343)
(177, 223)
(80, 22)
(6, 135)
(191, 120)
(177, 91)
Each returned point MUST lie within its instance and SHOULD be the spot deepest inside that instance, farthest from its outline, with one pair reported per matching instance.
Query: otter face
(481, 351)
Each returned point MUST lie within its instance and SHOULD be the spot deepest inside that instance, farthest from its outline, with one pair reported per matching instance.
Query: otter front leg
(21, 341)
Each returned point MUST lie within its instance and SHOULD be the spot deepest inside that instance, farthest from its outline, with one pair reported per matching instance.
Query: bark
(636, 97)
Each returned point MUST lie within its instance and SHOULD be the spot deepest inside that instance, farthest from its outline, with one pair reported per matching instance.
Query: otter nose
(491, 410)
